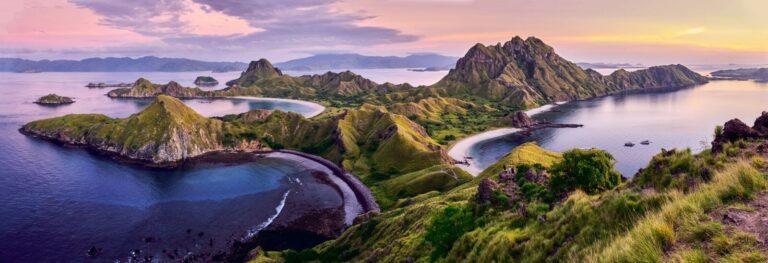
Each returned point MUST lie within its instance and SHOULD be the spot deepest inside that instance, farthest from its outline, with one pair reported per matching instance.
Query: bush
(588, 170)
(447, 226)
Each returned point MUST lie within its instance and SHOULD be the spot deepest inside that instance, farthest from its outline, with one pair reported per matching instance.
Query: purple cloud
(284, 24)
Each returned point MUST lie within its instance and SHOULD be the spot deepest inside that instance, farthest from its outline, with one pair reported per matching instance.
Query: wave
(251, 233)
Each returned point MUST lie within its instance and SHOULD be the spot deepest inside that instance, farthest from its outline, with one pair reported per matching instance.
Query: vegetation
(166, 131)
(628, 224)
(588, 170)
(554, 207)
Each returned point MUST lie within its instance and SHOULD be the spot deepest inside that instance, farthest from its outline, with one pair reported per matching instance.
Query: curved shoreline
(461, 149)
(316, 108)
(362, 193)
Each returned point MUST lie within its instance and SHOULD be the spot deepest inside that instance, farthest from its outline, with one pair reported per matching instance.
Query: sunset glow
(650, 32)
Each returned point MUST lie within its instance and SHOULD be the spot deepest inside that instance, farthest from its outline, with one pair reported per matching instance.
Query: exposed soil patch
(754, 222)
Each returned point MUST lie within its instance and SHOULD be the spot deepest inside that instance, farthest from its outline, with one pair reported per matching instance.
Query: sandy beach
(316, 108)
(460, 149)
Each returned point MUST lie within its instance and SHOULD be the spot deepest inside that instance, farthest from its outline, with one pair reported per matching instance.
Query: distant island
(53, 99)
(357, 61)
(206, 81)
(756, 74)
(430, 69)
(113, 64)
(588, 65)
(107, 85)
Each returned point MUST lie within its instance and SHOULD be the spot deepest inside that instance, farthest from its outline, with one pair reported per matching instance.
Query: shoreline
(317, 109)
(460, 149)
(458, 153)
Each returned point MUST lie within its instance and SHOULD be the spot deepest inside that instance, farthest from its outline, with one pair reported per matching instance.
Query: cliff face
(143, 88)
(529, 72)
(165, 132)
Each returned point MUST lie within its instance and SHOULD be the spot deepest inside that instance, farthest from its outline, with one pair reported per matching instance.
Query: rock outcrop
(519, 120)
(53, 99)
(735, 130)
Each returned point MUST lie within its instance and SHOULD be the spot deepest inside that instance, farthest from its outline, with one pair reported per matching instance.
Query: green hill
(167, 131)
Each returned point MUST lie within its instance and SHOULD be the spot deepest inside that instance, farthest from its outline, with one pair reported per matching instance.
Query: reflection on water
(669, 119)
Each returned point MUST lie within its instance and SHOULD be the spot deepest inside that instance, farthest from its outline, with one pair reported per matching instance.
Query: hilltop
(529, 73)
(164, 133)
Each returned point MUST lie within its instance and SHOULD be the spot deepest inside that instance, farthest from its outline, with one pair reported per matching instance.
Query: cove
(684, 118)
(60, 201)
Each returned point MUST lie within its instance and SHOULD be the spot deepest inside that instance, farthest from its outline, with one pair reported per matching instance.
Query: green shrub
(588, 170)
(447, 226)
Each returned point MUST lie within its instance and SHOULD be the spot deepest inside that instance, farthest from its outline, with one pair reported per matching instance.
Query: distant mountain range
(111, 64)
(357, 61)
(588, 65)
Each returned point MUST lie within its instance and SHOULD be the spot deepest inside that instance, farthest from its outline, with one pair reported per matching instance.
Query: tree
(589, 170)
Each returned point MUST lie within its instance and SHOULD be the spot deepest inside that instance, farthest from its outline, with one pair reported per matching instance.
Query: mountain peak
(257, 70)
(529, 72)
(264, 69)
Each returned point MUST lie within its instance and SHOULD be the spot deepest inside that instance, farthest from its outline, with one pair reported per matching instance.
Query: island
(53, 99)
(533, 203)
(206, 81)
(106, 85)
(756, 74)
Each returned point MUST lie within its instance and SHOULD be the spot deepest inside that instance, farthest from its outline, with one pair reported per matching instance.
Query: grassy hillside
(642, 220)
(165, 131)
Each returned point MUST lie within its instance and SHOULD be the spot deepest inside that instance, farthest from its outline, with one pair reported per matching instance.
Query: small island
(53, 99)
(106, 85)
(206, 81)
(756, 74)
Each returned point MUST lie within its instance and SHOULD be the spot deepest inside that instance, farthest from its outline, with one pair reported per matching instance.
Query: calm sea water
(57, 202)
(672, 119)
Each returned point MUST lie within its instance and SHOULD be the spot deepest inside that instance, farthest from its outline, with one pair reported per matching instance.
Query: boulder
(485, 191)
(736, 129)
(761, 123)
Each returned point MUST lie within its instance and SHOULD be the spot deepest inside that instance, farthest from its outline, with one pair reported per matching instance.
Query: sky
(648, 32)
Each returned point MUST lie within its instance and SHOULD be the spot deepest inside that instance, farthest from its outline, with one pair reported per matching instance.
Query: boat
(629, 144)
(646, 142)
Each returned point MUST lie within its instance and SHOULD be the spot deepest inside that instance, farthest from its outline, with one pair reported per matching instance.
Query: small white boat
(646, 142)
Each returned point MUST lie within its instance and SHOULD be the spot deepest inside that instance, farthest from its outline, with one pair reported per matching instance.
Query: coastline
(460, 149)
(316, 108)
